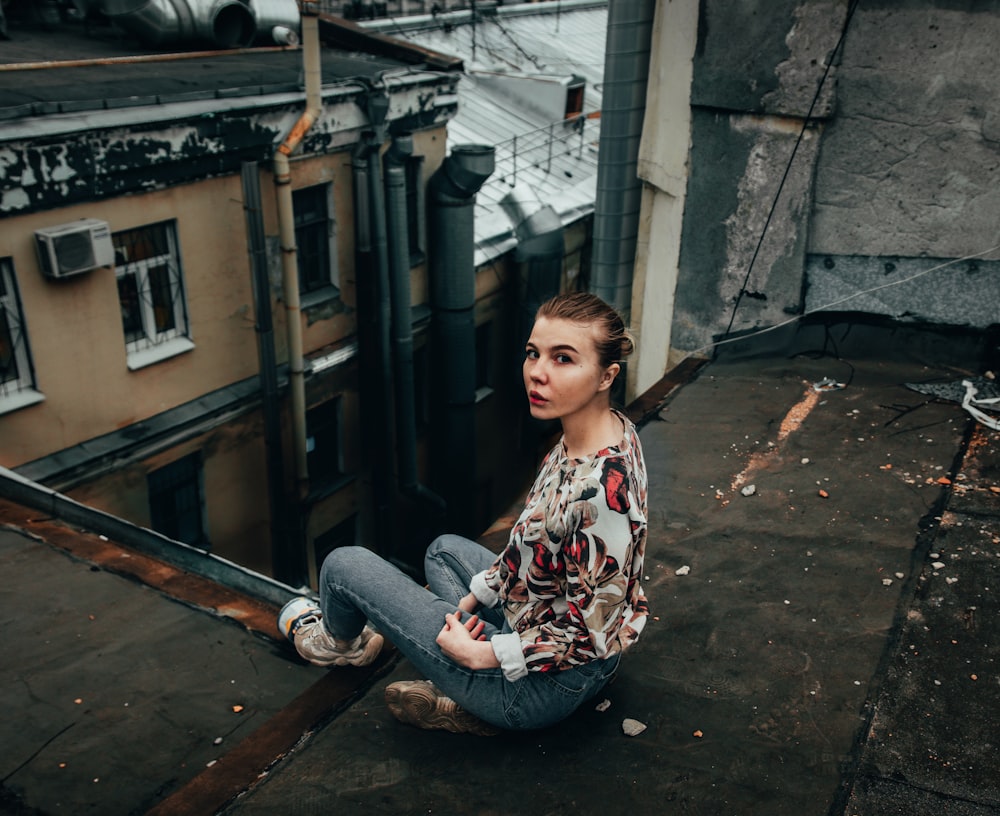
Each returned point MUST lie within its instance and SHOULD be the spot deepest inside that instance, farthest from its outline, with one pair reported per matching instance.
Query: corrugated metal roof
(557, 160)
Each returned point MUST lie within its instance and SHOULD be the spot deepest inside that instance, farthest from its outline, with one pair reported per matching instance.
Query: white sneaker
(319, 647)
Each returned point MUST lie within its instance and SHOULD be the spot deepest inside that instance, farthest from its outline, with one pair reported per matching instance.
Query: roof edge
(341, 33)
(465, 16)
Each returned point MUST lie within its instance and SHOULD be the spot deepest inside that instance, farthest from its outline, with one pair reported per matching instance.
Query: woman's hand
(464, 642)
(469, 603)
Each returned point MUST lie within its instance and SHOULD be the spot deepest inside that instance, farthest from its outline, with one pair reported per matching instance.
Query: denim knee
(342, 559)
(439, 545)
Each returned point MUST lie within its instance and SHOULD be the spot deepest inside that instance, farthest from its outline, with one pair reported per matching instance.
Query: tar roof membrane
(152, 77)
(829, 648)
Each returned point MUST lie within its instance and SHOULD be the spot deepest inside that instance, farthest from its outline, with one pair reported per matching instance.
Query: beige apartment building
(141, 373)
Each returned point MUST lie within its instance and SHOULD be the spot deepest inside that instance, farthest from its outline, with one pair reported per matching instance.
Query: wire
(791, 159)
(516, 44)
(726, 339)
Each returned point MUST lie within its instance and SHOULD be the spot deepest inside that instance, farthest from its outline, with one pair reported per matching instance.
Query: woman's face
(562, 373)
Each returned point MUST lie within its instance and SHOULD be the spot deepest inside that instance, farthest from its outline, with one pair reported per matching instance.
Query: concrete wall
(757, 66)
(908, 175)
(890, 202)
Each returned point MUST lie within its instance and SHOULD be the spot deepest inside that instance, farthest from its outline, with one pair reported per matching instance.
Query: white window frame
(152, 344)
(19, 392)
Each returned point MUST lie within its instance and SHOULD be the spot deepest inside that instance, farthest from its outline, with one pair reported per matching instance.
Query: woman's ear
(608, 377)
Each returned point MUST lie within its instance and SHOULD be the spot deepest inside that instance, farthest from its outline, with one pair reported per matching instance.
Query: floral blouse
(569, 577)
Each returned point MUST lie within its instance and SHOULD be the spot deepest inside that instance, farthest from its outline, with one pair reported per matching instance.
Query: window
(415, 208)
(17, 379)
(323, 443)
(314, 239)
(151, 294)
(176, 501)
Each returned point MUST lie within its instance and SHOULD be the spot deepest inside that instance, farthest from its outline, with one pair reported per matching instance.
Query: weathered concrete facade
(908, 177)
(756, 70)
(804, 191)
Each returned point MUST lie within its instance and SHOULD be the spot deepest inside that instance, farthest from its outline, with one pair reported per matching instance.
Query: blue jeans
(356, 586)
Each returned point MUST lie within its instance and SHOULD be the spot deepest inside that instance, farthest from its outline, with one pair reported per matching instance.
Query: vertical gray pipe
(619, 190)
(540, 252)
(451, 194)
(283, 562)
(371, 349)
(402, 321)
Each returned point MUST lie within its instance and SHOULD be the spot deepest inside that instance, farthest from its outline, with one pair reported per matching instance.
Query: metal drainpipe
(373, 278)
(402, 322)
(452, 195)
(264, 325)
(289, 254)
(619, 190)
(374, 410)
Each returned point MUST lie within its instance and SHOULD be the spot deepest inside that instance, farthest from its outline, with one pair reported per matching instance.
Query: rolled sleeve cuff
(477, 586)
(507, 648)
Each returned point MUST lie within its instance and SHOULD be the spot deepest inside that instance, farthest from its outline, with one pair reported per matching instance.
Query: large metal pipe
(619, 190)
(224, 23)
(452, 195)
(402, 322)
(539, 254)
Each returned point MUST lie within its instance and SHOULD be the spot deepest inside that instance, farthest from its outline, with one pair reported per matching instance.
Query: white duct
(222, 23)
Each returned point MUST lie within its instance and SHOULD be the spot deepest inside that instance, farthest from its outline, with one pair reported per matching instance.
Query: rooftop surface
(71, 68)
(830, 648)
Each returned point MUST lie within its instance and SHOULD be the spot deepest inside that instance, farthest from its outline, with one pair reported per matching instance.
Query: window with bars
(176, 505)
(151, 293)
(314, 239)
(17, 377)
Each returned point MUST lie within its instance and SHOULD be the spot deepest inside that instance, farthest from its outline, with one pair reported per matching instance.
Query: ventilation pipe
(277, 20)
(402, 322)
(619, 190)
(539, 254)
(452, 195)
(292, 564)
(224, 23)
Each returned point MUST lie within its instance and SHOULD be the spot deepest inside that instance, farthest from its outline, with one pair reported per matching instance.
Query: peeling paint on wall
(93, 162)
(810, 42)
(738, 164)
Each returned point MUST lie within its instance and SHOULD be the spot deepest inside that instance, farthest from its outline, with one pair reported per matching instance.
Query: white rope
(974, 406)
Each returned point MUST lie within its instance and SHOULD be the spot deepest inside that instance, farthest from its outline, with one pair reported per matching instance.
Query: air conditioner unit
(69, 249)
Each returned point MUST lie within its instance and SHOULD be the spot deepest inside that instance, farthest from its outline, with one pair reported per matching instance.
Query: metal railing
(375, 9)
(538, 149)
